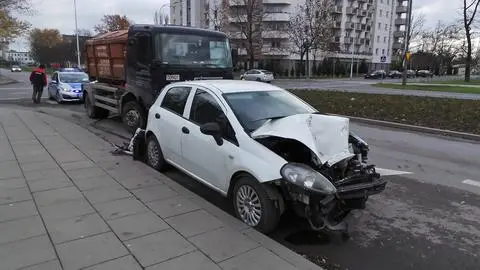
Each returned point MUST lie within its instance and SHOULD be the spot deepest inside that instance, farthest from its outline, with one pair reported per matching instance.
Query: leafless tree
(246, 19)
(11, 26)
(160, 18)
(218, 15)
(469, 11)
(443, 42)
(311, 28)
(416, 30)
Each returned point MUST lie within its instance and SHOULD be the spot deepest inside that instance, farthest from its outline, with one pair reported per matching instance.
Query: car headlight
(65, 89)
(304, 176)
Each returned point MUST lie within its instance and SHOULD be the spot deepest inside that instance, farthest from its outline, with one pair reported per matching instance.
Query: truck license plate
(173, 77)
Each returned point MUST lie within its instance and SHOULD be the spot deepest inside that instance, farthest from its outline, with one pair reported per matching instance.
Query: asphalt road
(22, 90)
(428, 217)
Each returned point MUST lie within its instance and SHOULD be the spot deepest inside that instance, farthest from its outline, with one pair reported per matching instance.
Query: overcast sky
(60, 13)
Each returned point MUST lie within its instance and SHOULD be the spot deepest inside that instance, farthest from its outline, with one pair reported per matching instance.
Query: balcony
(277, 17)
(337, 25)
(401, 9)
(397, 46)
(349, 25)
(358, 27)
(399, 34)
(277, 2)
(337, 9)
(400, 21)
(350, 11)
(274, 34)
(336, 39)
(348, 40)
(362, 13)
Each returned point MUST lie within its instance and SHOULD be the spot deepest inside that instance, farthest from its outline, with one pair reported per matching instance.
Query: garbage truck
(128, 68)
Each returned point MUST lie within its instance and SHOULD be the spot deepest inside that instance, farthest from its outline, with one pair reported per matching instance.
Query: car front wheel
(155, 155)
(253, 206)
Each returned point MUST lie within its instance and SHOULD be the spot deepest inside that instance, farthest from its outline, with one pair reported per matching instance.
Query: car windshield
(73, 77)
(15, 66)
(253, 109)
(193, 50)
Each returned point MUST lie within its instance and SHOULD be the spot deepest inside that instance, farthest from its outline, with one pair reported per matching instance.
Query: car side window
(175, 99)
(205, 109)
(55, 77)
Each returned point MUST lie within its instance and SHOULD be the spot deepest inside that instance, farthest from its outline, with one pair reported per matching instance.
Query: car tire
(154, 154)
(94, 112)
(258, 80)
(59, 101)
(269, 213)
(133, 109)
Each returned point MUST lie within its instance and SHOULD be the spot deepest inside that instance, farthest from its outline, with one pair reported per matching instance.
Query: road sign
(407, 56)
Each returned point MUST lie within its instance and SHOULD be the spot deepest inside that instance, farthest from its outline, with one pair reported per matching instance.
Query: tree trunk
(469, 56)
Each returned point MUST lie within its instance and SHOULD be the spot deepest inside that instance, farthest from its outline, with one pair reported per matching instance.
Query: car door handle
(157, 116)
(185, 130)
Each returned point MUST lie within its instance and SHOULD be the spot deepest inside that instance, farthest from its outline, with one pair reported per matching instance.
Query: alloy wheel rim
(248, 205)
(152, 151)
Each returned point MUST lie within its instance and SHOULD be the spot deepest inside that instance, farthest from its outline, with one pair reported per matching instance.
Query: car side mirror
(212, 129)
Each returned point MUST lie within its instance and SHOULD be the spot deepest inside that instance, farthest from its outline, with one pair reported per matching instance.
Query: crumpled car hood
(325, 135)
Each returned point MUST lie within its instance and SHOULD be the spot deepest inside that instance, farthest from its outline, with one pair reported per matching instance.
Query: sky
(60, 14)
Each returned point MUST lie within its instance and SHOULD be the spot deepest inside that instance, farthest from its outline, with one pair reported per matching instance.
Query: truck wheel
(253, 205)
(133, 116)
(94, 112)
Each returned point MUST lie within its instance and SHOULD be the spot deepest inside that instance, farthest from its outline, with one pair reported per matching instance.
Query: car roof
(71, 72)
(231, 86)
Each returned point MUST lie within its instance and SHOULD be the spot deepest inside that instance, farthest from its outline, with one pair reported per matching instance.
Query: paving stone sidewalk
(67, 203)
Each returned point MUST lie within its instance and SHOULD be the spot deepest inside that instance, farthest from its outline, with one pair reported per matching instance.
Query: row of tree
(49, 46)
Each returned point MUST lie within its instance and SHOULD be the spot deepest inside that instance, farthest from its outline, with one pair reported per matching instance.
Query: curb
(435, 131)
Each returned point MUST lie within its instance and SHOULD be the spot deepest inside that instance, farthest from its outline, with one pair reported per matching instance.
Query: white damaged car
(264, 148)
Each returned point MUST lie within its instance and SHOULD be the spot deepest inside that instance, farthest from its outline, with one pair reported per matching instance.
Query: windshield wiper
(269, 118)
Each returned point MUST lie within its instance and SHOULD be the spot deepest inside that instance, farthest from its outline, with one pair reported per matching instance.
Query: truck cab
(130, 68)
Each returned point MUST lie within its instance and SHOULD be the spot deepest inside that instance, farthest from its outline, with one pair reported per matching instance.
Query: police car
(66, 85)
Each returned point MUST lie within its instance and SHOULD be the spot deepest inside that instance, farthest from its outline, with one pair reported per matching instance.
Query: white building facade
(364, 30)
(19, 57)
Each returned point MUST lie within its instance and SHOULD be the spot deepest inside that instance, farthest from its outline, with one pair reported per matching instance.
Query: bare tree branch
(468, 17)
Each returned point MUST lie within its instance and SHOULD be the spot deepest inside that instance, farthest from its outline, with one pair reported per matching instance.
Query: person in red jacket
(38, 78)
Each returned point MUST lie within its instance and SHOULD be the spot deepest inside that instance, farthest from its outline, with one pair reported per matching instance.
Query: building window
(384, 39)
(379, 25)
(376, 51)
(378, 38)
(388, 2)
(386, 14)
(381, 12)
(386, 27)
(383, 51)
(381, 1)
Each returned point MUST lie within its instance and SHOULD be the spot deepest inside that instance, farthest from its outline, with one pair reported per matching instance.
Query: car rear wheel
(155, 155)
(253, 206)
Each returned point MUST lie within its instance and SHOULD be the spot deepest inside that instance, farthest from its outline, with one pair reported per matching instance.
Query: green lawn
(437, 88)
(472, 82)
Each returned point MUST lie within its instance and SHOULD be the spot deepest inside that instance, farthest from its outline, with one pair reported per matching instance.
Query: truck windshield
(193, 50)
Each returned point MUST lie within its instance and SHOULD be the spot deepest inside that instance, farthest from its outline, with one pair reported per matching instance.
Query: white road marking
(388, 172)
(22, 88)
(471, 182)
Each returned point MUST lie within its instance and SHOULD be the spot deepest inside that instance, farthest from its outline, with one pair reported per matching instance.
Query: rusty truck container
(105, 57)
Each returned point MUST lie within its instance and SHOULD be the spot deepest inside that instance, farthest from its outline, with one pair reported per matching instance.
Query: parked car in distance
(424, 73)
(411, 73)
(395, 74)
(260, 75)
(67, 86)
(263, 148)
(376, 74)
(16, 68)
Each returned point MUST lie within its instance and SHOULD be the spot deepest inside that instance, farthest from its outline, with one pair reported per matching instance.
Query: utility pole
(407, 40)
(351, 64)
(76, 32)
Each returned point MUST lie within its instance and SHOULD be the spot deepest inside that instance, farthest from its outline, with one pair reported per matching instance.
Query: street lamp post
(76, 33)
(407, 40)
(351, 64)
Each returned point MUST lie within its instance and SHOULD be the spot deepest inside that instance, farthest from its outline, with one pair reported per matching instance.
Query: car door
(53, 84)
(169, 120)
(204, 158)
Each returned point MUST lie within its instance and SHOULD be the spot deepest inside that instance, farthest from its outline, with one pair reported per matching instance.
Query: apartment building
(19, 57)
(369, 30)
